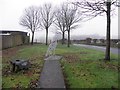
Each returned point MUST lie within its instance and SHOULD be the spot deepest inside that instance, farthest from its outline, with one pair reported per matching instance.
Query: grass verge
(85, 68)
(24, 78)
(82, 68)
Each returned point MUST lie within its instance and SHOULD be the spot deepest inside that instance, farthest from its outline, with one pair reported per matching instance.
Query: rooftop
(10, 31)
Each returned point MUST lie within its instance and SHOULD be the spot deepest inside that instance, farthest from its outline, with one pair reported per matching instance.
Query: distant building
(115, 41)
(88, 40)
(94, 41)
(13, 38)
(102, 40)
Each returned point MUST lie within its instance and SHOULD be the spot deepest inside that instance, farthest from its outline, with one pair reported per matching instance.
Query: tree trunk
(107, 54)
(68, 38)
(32, 38)
(46, 35)
(63, 38)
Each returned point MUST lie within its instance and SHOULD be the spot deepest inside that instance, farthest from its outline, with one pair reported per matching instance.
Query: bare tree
(72, 17)
(30, 20)
(47, 16)
(93, 8)
(60, 22)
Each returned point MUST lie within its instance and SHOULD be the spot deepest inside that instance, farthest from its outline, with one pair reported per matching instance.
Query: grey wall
(13, 40)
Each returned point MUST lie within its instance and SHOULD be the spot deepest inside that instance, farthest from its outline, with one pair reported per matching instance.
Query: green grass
(28, 78)
(85, 68)
(82, 68)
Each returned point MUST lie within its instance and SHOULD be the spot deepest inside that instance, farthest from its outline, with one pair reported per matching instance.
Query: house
(11, 38)
(102, 40)
(94, 41)
(114, 41)
(88, 40)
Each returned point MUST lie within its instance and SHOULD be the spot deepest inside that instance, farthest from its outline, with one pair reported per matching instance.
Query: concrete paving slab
(51, 75)
(53, 57)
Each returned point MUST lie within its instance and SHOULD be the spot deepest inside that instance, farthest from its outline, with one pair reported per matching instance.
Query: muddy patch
(71, 57)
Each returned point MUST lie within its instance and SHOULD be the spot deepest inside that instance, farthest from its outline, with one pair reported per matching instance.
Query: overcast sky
(12, 10)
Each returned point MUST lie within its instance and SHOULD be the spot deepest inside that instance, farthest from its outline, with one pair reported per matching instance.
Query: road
(101, 48)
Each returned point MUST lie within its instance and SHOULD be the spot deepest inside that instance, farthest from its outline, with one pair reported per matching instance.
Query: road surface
(101, 48)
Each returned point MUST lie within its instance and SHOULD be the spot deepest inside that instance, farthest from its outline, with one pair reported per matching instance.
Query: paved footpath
(101, 48)
(51, 75)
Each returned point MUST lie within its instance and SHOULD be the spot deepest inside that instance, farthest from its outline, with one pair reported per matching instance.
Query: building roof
(10, 31)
